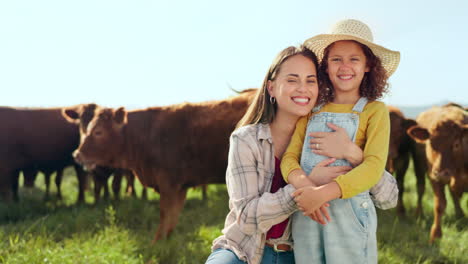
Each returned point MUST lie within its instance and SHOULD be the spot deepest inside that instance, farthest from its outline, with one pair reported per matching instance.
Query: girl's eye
(311, 81)
(335, 59)
(291, 81)
(355, 59)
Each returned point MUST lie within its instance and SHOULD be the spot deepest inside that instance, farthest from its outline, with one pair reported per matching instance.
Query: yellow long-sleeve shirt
(373, 137)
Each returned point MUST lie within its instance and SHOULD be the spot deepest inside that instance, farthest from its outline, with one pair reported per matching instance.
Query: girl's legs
(308, 239)
(351, 235)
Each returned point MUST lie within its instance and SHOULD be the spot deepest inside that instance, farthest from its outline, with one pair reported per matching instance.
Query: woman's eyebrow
(297, 75)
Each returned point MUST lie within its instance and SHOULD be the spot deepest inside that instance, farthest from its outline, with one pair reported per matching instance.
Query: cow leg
(116, 183)
(175, 212)
(6, 185)
(171, 204)
(81, 175)
(15, 185)
(401, 165)
(58, 182)
(204, 192)
(47, 184)
(420, 168)
(456, 191)
(144, 193)
(29, 176)
(440, 204)
(105, 185)
(97, 186)
(130, 190)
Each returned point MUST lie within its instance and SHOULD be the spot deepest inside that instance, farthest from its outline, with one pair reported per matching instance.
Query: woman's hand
(322, 174)
(335, 145)
(308, 199)
(318, 215)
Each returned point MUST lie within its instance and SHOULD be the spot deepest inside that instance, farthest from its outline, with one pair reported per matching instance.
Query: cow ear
(120, 116)
(407, 123)
(418, 133)
(71, 115)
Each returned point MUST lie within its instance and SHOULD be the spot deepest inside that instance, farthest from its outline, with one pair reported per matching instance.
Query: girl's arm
(336, 144)
(255, 210)
(369, 172)
(365, 175)
(290, 165)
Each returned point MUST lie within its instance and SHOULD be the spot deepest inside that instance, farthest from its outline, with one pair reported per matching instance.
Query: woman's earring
(272, 100)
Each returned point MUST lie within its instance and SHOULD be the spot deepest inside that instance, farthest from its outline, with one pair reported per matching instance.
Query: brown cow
(35, 138)
(169, 148)
(444, 131)
(401, 148)
(101, 174)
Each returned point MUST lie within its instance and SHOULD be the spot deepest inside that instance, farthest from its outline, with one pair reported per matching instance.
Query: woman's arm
(369, 172)
(254, 210)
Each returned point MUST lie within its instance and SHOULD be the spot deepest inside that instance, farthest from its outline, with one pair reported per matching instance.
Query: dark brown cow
(35, 138)
(401, 148)
(31, 173)
(444, 131)
(169, 148)
(39, 139)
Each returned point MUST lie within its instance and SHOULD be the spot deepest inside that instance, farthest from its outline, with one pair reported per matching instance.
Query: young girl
(355, 75)
(257, 228)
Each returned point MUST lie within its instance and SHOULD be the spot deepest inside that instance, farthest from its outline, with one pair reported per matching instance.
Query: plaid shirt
(253, 209)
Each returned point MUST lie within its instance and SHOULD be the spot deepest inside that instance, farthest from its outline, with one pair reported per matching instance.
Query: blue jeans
(226, 256)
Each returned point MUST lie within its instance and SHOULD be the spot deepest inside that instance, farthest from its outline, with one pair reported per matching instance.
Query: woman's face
(347, 65)
(295, 87)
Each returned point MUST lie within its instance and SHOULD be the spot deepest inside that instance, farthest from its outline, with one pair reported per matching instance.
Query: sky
(154, 53)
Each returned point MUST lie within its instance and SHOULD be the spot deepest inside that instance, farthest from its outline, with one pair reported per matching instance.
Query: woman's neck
(282, 128)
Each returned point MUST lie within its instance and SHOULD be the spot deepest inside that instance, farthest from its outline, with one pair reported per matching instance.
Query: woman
(257, 227)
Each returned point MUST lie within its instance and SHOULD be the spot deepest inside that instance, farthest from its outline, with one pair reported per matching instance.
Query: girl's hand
(330, 144)
(335, 145)
(322, 174)
(309, 199)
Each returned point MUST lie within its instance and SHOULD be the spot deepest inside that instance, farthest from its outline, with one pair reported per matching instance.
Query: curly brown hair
(373, 86)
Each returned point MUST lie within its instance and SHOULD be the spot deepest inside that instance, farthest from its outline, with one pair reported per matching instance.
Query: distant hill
(413, 111)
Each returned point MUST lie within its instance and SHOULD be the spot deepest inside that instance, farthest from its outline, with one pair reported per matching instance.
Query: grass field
(34, 231)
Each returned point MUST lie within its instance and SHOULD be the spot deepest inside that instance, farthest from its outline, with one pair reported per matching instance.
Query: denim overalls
(350, 237)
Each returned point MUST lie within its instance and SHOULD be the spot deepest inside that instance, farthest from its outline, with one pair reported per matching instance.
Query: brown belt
(279, 247)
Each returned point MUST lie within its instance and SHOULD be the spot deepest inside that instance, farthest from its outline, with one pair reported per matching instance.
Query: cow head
(398, 137)
(446, 149)
(101, 137)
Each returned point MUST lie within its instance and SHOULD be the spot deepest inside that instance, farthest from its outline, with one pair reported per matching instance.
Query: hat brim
(390, 59)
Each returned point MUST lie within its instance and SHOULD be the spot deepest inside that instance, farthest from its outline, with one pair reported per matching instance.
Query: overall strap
(360, 104)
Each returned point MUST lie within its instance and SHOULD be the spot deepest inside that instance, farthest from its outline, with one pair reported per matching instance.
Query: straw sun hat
(351, 29)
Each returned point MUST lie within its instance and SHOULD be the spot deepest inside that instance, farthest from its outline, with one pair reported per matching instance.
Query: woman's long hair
(262, 110)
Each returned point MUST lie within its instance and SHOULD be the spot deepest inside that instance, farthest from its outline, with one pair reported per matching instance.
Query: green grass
(34, 231)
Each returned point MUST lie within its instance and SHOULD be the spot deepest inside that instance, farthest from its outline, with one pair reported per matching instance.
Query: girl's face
(347, 65)
(295, 87)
